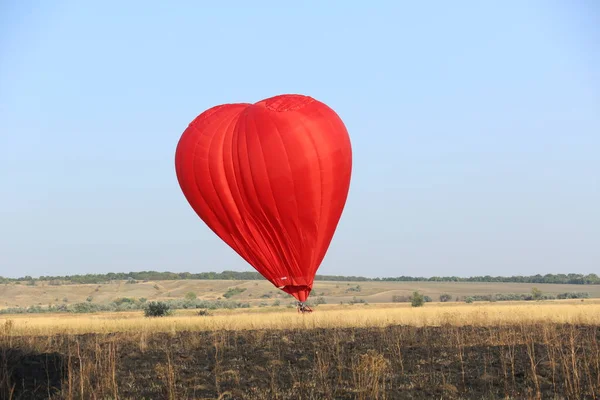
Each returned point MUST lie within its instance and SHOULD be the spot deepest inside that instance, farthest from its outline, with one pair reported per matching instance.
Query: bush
(123, 300)
(85, 308)
(354, 289)
(356, 300)
(573, 295)
(190, 296)
(536, 293)
(320, 300)
(233, 291)
(469, 299)
(417, 299)
(157, 309)
(444, 297)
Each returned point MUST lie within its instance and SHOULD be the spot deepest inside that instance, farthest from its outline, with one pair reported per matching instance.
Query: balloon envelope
(271, 180)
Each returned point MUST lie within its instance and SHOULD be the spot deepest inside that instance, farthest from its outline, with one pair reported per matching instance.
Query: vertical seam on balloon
(244, 249)
(271, 242)
(260, 257)
(220, 196)
(312, 141)
(233, 227)
(276, 240)
(287, 157)
(299, 272)
(295, 252)
(210, 178)
(195, 180)
(322, 243)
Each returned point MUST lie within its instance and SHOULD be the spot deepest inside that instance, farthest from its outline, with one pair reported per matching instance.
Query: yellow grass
(325, 316)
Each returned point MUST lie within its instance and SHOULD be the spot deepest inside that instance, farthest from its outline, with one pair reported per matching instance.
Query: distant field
(257, 292)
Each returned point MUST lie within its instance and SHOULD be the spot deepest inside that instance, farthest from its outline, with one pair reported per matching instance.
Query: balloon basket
(303, 308)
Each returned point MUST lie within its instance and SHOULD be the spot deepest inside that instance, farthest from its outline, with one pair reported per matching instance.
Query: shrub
(444, 297)
(123, 300)
(536, 293)
(85, 308)
(233, 291)
(190, 296)
(157, 309)
(354, 289)
(356, 300)
(573, 295)
(320, 300)
(417, 299)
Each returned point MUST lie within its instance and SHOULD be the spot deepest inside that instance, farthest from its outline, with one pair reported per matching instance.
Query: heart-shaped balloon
(271, 179)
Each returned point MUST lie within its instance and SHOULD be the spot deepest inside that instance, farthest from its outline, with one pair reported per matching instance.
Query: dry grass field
(12, 295)
(325, 316)
(504, 350)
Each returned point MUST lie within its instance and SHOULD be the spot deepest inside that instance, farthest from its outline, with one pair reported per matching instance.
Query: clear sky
(475, 128)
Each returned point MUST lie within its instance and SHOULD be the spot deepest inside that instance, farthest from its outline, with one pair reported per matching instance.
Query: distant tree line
(132, 277)
(576, 279)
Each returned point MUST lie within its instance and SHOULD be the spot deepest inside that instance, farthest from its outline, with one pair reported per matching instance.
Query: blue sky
(475, 129)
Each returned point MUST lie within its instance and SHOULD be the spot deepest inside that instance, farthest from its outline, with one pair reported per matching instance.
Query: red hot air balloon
(271, 180)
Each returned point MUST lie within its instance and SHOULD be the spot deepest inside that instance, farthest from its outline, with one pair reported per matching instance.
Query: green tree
(536, 293)
(417, 299)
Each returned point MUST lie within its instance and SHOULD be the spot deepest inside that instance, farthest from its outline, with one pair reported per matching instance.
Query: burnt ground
(398, 362)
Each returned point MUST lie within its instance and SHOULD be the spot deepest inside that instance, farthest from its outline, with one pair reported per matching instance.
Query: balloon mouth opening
(300, 292)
